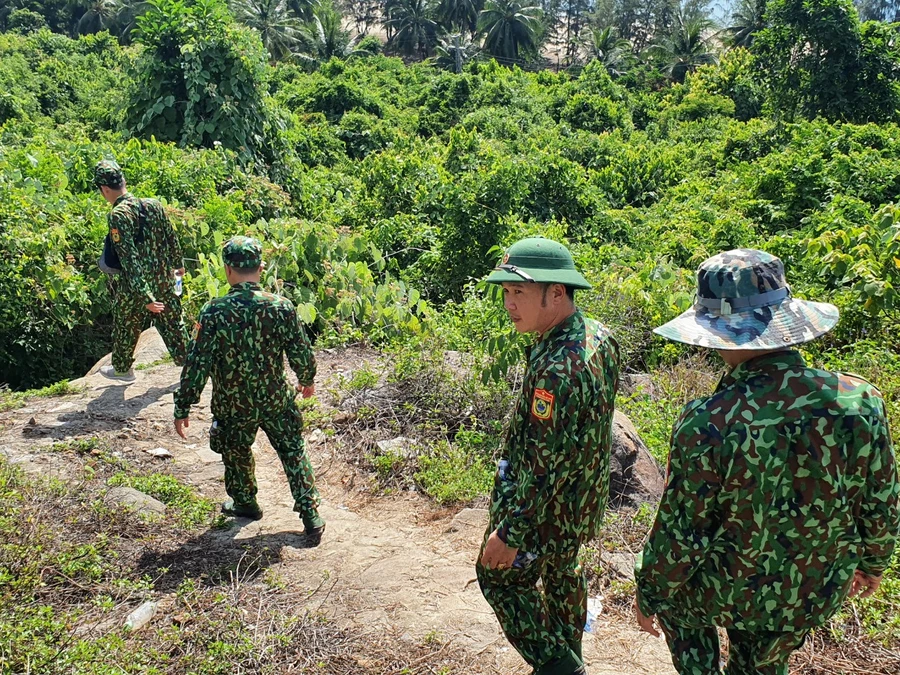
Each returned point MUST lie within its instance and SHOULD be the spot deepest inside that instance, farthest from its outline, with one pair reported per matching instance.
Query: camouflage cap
(539, 260)
(743, 302)
(109, 173)
(242, 252)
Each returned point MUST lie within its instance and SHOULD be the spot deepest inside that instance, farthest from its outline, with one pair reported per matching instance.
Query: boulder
(635, 477)
(150, 349)
(135, 500)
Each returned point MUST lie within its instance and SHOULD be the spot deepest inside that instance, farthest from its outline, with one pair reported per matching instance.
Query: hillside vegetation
(384, 189)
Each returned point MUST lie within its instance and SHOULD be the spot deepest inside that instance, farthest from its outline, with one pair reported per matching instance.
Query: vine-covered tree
(817, 60)
(511, 29)
(199, 79)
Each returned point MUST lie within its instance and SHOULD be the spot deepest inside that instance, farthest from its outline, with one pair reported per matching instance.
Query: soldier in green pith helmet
(782, 495)
(552, 482)
(144, 289)
(241, 342)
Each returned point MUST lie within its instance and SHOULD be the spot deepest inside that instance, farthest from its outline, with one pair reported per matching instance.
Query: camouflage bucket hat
(109, 173)
(743, 302)
(242, 252)
(538, 260)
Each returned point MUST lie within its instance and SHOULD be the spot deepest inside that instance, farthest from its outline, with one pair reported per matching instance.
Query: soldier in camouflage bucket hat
(743, 302)
(781, 493)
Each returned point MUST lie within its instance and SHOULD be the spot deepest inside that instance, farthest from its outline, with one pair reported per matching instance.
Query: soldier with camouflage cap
(145, 289)
(241, 342)
(782, 493)
(552, 482)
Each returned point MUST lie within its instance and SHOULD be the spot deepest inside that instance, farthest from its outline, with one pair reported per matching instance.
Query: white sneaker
(113, 374)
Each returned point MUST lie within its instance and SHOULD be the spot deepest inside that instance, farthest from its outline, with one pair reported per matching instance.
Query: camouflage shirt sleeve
(547, 444)
(198, 364)
(123, 225)
(879, 517)
(297, 348)
(685, 521)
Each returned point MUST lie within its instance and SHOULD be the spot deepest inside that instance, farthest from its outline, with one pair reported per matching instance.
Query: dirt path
(382, 565)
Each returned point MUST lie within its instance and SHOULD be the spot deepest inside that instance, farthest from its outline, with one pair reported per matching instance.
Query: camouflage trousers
(130, 317)
(233, 440)
(695, 648)
(545, 626)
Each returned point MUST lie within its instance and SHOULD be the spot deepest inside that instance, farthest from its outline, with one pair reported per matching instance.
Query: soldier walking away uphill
(241, 342)
(552, 482)
(150, 255)
(782, 494)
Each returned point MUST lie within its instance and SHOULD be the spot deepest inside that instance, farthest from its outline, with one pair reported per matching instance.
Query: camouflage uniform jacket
(779, 486)
(149, 254)
(241, 340)
(552, 484)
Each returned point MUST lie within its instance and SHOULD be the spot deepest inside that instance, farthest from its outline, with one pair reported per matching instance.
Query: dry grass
(73, 567)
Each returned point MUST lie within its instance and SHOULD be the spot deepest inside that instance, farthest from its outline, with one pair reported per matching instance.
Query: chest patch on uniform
(114, 233)
(542, 404)
(196, 329)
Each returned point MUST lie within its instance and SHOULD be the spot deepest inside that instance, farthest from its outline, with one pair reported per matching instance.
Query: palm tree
(454, 51)
(461, 14)
(747, 19)
(325, 37)
(510, 29)
(605, 45)
(686, 47)
(99, 14)
(410, 26)
(274, 21)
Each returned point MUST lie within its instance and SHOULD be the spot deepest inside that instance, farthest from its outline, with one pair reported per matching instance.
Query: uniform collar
(783, 360)
(122, 198)
(244, 286)
(561, 329)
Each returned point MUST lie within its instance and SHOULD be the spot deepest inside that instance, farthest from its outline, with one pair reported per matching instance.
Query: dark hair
(570, 293)
(244, 271)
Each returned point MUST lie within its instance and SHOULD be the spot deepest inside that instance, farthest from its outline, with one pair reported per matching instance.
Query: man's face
(526, 305)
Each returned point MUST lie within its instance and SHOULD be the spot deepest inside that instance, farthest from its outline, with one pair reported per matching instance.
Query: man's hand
(647, 623)
(864, 585)
(497, 555)
(181, 425)
(306, 390)
(155, 307)
(180, 271)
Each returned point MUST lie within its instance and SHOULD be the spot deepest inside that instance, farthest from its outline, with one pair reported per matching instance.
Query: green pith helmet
(242, 253)
(538, 260)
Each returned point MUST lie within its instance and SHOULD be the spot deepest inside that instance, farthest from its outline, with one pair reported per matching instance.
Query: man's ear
(559, 293)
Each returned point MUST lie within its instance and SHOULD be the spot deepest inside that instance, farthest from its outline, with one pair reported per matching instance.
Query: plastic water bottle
(594, 609)
(178, 282)
(141, 616)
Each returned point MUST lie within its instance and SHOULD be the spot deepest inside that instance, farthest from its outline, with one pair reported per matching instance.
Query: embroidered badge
(114, 233)
(196, 329)
(542, 404)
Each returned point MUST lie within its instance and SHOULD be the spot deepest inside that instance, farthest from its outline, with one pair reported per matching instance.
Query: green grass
(10, 400)
(191, 508)
(147, 366)
(81, 446)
